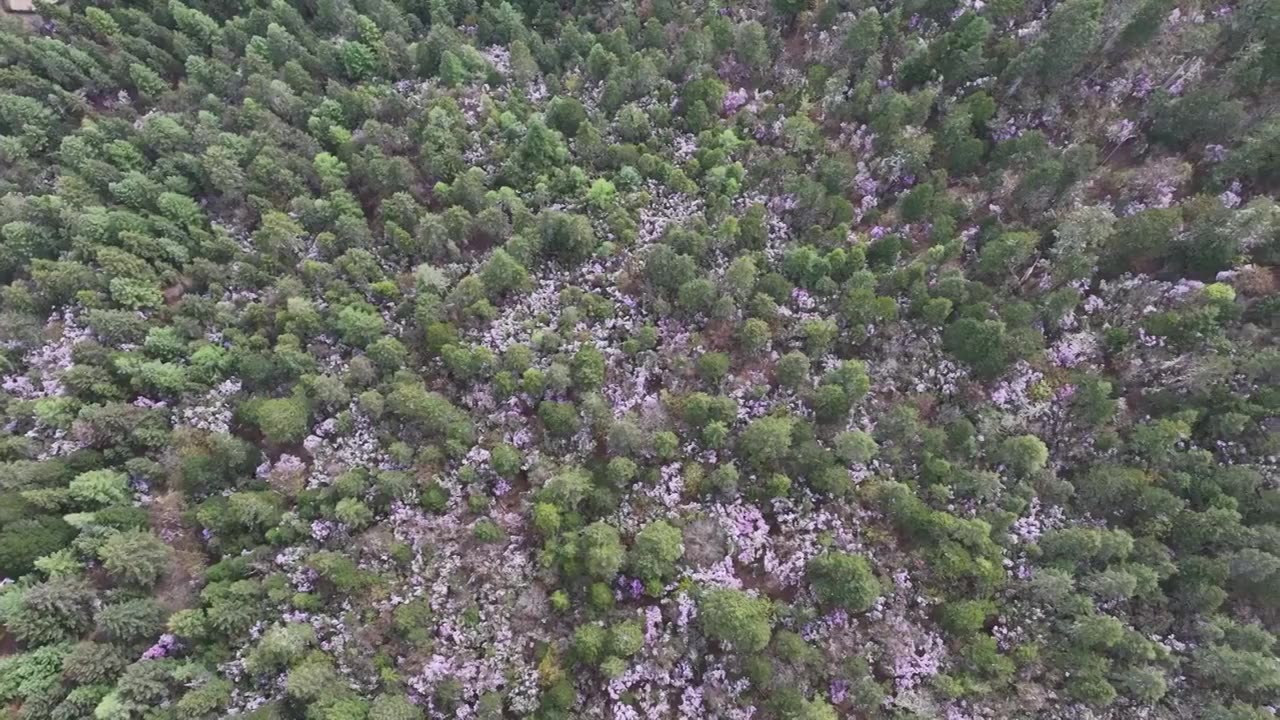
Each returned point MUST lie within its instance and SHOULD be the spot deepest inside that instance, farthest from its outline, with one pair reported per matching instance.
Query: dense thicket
(395, 359)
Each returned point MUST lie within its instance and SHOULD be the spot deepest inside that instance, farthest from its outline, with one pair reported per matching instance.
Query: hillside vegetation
(795, 360)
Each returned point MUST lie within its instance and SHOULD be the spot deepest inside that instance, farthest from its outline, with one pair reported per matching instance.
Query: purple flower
(167, 644)
(1122, 130)
(1231, 198)
(1215, 153)
(628, 588)
(839, 691)
(733, 101)
(1142, 85)
(321, 529)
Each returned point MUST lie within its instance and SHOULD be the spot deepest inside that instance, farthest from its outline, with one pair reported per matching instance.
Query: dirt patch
(479, 243)
(174, 293)
(755, 577)
(8, 644)
(184, 575)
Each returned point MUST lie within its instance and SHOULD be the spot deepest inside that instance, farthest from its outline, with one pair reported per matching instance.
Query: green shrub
(49, 612)
(26, 675)
(394, 707)
(22, 542)
(100, 487)
(282, 420)
(134, 557)
(843, 580)
(736, 619)
(131, 620)
(656, 550)
(602, 549)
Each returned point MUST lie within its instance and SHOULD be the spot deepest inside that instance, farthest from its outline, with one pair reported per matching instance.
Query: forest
(640, 359)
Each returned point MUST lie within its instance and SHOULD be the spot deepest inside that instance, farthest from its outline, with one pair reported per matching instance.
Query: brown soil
(755, 577)
(8, 644)
(180, 583)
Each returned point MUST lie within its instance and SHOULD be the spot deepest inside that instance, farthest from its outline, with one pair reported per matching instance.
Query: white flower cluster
(333, 454)
(214, 412)
(49, 361)
(460, 578)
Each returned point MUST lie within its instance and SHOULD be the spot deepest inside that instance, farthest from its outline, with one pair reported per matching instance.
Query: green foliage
(566, 236)
(24, 541)
(209, 697)
(352, 343)
(281, 646)
(559, 418)
(588, 368)
(855, 446)
(359, 325)
(736, 619)
(30, 674)
(394, 707)
(767, 441)
(542, 150)
(352, 513)
(566, 114)
(982, 344)
(506, 460)
(429, 411)
(502, 274)
(413, 621)
(844, 581)
(1238, 671)
(131, 620)
(603, 553)
(1024, 454)
(712, 367)
(49, 612)
(1070, 33)
(656, 550)
(589, 642)
(1002, 259)
(567, 488)
(282, 420)
(134, 557)
(312, 679)
(966, 617)
(100, 487)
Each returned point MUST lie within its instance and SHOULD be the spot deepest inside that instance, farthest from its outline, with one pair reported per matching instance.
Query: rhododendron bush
(381, 360)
